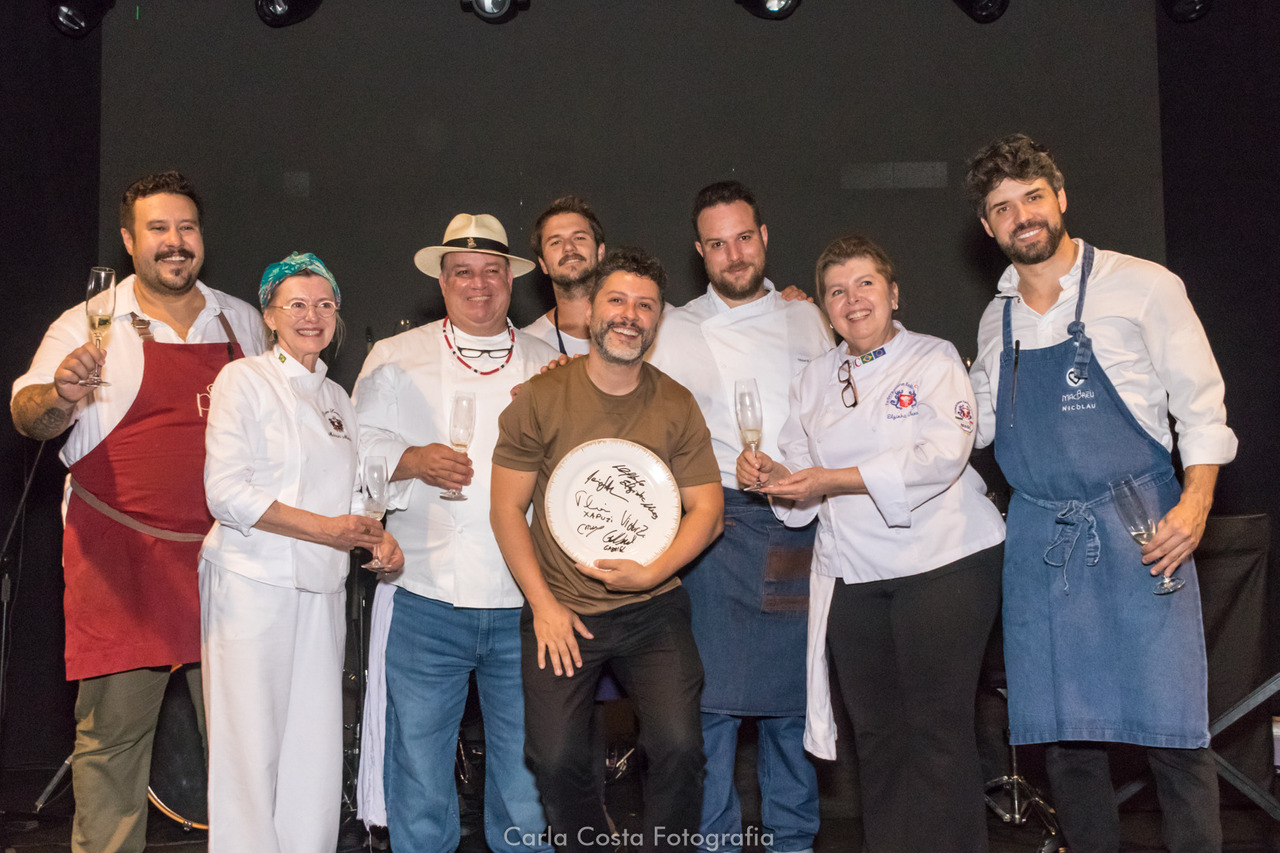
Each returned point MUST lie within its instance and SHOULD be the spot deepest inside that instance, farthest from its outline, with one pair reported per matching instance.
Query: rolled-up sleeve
(902, 478)
(1184, 362)
(236, 451)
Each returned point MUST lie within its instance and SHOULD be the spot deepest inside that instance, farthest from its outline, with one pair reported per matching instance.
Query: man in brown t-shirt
(634, 617)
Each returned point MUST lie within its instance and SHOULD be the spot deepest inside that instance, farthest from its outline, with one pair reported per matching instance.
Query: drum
(179, 779)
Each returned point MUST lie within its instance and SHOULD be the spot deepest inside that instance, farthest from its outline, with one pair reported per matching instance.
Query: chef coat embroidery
(904, 400)
(964, 416)
(335, 420)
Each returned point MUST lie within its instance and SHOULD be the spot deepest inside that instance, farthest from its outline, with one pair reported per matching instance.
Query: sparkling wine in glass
(375, 479)
(462, 427)
(746, 402)
(100, 306)
(1136, 515)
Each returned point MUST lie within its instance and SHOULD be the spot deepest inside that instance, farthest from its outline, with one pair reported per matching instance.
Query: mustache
(1030, 224)
(168, 253)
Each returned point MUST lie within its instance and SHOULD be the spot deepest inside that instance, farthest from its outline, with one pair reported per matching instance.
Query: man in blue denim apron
(1082, 358)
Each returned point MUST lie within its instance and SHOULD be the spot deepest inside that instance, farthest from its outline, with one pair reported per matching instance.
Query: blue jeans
(788, 785)
(652, 652)
(431, 650)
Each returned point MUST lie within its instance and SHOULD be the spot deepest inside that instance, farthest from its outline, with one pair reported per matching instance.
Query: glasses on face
(299, 308)
(478, 353)
(849, 393)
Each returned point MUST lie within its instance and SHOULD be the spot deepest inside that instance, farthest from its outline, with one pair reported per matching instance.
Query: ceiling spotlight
(494, 11)
(285, 13)
(1186, 11)
(983, 11)
(773, 10)
(78, 18)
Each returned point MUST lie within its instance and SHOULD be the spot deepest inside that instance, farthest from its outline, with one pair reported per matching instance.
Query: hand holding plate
(620, 575)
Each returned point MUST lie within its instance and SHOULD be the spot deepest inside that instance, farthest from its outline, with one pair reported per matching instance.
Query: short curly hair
(1016, 156)
(634, 260)
(154, 184)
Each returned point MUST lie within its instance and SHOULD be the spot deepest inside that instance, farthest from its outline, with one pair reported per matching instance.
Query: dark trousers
(906, 654)
(650, 648)
(1186, 785)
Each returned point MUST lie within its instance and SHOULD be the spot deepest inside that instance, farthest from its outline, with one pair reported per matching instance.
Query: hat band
(478, 243)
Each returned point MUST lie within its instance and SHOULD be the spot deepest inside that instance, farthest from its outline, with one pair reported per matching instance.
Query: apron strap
(1073, 519)
(133, 524)
(142, 326)
(1084, 346)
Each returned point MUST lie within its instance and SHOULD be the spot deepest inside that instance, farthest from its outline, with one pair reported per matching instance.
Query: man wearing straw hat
(456, 607)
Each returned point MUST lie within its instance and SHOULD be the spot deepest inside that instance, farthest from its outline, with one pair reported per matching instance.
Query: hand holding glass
(462, 426)
(100, 306)
(1137, 518)
(375, 479)
(746, 401)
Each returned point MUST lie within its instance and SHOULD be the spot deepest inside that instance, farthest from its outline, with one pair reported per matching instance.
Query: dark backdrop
(360, 132)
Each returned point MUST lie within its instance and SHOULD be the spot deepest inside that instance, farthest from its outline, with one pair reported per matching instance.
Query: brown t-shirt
(562, 408)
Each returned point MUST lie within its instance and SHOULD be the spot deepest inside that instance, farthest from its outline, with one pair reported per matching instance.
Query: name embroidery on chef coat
(904, 400)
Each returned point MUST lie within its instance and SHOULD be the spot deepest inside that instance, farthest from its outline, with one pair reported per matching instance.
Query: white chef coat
(706, 346)
(403, 397)
(910, 436)
(1147, 338)
(277, 432)
(99, 413)
(544, 330)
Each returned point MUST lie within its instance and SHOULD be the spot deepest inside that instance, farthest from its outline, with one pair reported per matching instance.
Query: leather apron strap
(120, 518)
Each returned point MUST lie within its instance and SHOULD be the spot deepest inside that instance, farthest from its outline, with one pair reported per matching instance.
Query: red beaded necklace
(511, 331)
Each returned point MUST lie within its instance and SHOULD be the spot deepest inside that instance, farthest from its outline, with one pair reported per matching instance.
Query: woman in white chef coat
(905, 578)
(280, 473)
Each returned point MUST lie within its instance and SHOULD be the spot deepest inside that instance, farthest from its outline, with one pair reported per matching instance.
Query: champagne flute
(746, 400)
(100, 306)
(462, 427)
(375, 478)
(1136, 515)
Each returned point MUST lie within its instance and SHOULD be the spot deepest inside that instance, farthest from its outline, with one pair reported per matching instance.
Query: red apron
(132, 598)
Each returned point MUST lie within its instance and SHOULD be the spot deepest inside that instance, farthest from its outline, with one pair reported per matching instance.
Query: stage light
(1186, 11)
(494, 11)
(772, 10)
(78, 18)
(983, 11)
(285, 13)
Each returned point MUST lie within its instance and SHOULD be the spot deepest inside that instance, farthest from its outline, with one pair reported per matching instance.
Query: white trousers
(371, 804)
(273, 700)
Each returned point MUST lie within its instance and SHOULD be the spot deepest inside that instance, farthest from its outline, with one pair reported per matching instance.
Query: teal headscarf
(293, 265)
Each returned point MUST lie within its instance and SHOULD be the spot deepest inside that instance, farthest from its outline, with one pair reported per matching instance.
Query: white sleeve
(377, 401)
(985, 373)
(900, 479)
(235, 443)
(1185, 366)
(793, 446)
(67, 333)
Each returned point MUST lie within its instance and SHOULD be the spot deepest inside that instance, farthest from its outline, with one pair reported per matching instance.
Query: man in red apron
(134, 511)
(1083, 357)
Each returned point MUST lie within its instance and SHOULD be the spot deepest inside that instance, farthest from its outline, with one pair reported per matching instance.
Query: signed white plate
(612, 499)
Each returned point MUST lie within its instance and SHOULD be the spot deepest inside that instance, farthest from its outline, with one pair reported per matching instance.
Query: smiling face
(1026, 219)
(166, 243)
(732, 246)
(860, 303)
(624, 317)
(295, 316)
(569, 253)
(477, 291)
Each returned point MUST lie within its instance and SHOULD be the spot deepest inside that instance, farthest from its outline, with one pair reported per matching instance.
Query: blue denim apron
(750, 601)
(1091, 653)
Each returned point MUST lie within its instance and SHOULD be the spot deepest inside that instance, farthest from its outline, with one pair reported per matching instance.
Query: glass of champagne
(100, 306)
(375, 478)
(1137, 518)
(746, 402)
(462, 426)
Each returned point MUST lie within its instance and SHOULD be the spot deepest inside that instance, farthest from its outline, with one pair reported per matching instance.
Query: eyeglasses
(477, 353)
(849, 393)
(299, 308)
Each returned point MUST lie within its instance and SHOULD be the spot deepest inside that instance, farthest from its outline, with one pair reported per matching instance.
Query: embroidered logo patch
(964, 416)
(335, 421)
(903, 399)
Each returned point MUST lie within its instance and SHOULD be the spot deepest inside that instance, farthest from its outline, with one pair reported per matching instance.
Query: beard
(620, 355)
(572, 285)
(1039, 251)
(750, 287)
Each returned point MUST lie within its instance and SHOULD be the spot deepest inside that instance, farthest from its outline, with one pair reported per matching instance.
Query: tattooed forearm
(39, 413)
